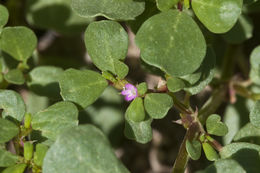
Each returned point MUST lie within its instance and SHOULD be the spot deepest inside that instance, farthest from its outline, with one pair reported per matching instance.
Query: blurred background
(60, 43)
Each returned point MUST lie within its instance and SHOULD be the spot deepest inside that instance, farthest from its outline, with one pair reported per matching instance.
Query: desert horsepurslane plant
(207, 50)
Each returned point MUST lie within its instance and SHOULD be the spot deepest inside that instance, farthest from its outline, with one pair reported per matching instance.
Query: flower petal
(129, 86)
(125, 92)
(129, 97)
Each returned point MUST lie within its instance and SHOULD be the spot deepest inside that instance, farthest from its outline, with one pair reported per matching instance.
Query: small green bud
(28, 150)
(210, 152)
(27, 120)
(142, 88)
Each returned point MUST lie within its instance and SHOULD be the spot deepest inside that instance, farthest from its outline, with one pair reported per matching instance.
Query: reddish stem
(180, 6)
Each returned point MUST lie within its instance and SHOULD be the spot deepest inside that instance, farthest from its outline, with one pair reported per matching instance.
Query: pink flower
(130, 92)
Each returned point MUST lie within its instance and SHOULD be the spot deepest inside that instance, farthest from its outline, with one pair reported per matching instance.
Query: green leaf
(12, 103)
(4, 15)
(139, 131)
(55, 119)
(193, 149)
(234, 117)
(248, 133)
(246, 154)
(194, 77)
(111, 9)
(135, 111)
(107, 114)
(157, 105)
(215, 126)
(82, 149)
(255, 65)
(107, 45)
(8, 130)
(60, 16)
(150, 10)
(39, 154)
(81, 87)
(28, 150)
(165, 5)
(35, 103)
(19, 168)
(255, 75)
(175, 84)
(255, 115)
(242, 31)
(173, 42)
(224, 166)
(15, 76)
(27, 120)
(7, 158)
(207, 71)
(210, 152)
(231, 149)
(19, 42)
(219, 16)
(44, 81)
(142, 88)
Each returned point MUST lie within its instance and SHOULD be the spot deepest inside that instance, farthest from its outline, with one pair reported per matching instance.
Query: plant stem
(182, 157)
(179, 105)
(212, 104)
(219, 93)
(228, 63)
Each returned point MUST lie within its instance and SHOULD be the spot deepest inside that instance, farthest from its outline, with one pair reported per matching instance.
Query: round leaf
(246, 154)
(210, 152)
(15, 76)
(248, 133)
(218, 16)
(111, 9)
(81, 87)
(135, 111)
(7, 158)
(13, 104)
(139, 131)
(175, 84)
(224, 166)
(150, 10)
(206, 72)
(107, 44)
(44, 81)
(60, 16)
(193, 149)
(142, 88)
(231, 149)
(173, 42)
(8, 130)
(243, 30)
(19, 42)
(255, 115)
(55, 119)
(4, 15)
(215, 126)
(19, 168)
(255, 65)
(255, 58)
(157, 105)
(165, 5)
(82, 149)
